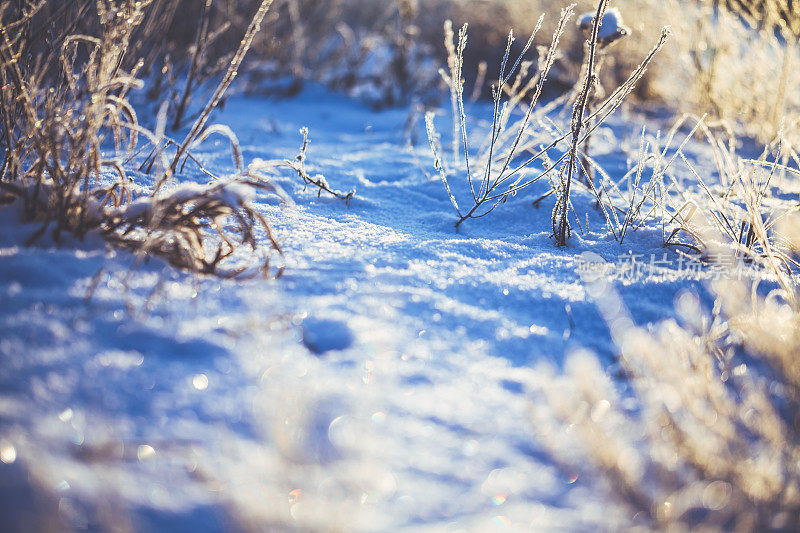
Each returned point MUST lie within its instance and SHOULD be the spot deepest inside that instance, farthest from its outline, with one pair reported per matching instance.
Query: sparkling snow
(384, 383)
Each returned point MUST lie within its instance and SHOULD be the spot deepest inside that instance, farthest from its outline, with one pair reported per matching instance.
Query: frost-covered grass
(402, 374)
(733, 63)
(70, 134)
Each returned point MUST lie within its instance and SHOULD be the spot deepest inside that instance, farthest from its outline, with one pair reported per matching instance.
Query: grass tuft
(70, 133)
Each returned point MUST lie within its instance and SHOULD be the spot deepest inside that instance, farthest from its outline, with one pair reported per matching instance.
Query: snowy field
(384, 383)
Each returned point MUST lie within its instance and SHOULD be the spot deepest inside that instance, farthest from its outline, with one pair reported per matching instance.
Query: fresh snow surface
(383, 383)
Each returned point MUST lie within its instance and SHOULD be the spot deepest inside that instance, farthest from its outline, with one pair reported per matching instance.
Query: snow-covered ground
(384, 383)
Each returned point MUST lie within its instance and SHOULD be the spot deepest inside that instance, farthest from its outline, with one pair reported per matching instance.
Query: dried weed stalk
(503, 172)
(561, 227)
(317, 180)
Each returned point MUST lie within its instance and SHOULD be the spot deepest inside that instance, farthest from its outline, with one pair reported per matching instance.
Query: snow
(611, 26)
(231, 193)
(323, 335)
(383, 384)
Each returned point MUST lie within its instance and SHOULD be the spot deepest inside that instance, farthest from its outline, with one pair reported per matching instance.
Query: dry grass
(705, 68)
(732, 65)
(706, 436)
(382, 50)
(69, 131)
(701, 434)
(501, 174)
